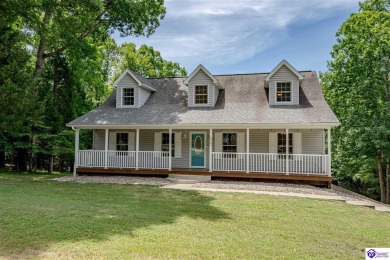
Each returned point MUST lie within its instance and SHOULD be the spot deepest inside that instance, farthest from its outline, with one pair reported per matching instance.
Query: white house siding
(127, 82)
(143, 96)
(312, 140)
(201, 78)
(98, 139)
(284, 75)
(216, 94)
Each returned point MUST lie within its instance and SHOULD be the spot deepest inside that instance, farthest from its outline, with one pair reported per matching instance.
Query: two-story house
(260, 125)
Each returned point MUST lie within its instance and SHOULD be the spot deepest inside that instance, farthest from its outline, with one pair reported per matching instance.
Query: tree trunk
(388, 181)
(381, 179)
(21, 159)
(2, 159)
(40, 63)
(50, 164)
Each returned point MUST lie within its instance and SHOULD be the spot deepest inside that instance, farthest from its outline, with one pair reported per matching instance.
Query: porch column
(170, 150)
(287, 151)
(247, 150)
(136, 148)
(210, 150)
(106, 149)
(76, 150)
(329, 153)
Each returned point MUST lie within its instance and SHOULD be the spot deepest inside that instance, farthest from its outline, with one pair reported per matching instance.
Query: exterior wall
(140, 95)
(312, 142)
(216, 94)
(284, 75)
(143, 96)
(98, 139)
(201, 78)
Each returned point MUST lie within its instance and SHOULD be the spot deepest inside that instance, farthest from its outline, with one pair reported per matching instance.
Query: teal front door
(197, 150)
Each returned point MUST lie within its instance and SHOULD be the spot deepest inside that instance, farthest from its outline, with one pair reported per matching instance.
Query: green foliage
(147, 62)
(357, 86)
(57, 59)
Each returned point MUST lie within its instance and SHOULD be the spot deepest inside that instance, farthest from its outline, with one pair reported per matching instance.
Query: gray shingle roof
(243, 100)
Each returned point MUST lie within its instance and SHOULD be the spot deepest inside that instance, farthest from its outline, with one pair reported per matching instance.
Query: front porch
(214, 152)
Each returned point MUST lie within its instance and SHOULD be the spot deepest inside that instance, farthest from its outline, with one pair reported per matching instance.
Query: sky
(247, 36)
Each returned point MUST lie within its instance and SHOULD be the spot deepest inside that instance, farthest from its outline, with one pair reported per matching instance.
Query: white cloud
(221, 33)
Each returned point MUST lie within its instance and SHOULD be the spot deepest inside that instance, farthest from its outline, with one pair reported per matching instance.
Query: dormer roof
(201, 67)
(285, 63)
(142, 82)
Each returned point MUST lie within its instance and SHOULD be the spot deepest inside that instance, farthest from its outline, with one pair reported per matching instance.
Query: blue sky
(245, 36)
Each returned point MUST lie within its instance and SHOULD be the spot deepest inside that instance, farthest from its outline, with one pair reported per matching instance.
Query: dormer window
(201, 94)
(128, 96)
(283, 92)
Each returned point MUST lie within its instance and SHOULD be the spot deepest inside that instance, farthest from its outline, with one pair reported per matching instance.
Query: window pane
(229, 142)
(122, 141)
(201, 96)
(165, 143)
(283, 91)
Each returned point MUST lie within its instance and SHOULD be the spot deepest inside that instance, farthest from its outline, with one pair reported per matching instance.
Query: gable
(286, 65)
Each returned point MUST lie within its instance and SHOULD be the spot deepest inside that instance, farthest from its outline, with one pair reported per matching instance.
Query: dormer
(132, 90)
(203, 88)
(283, 82)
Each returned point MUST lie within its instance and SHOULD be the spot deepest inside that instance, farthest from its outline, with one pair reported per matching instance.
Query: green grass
(47, 219)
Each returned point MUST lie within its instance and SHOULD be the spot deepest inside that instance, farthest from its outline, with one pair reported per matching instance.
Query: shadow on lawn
(40, 213)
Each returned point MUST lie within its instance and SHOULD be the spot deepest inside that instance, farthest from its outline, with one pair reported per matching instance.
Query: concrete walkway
(358, 202)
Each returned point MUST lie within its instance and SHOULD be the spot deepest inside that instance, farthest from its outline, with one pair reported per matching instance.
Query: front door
(197, 150)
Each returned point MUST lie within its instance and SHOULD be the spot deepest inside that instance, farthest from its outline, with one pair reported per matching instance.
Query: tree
(147, 62)
(357, 86)
(59, 25)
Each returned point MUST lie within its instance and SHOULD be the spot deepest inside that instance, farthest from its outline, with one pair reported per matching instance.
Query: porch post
(106, 149)
(210, 150)
(137, 149)
(329, 153)
(76, 150)
(247, 150)
(170, 150)
(287, 151)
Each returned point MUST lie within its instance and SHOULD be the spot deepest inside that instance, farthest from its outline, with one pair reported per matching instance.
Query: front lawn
(47, 219)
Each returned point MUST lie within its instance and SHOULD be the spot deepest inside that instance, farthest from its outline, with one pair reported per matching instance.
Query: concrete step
(382, 208)
(361, 203)
(188, 179)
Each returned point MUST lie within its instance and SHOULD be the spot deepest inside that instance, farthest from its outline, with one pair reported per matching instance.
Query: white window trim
(230, 132)
(208, 95)
(122, 90)
(116, 140)
(291, 92)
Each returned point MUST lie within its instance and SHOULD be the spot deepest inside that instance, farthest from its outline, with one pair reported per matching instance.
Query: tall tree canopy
(357, 86)
(57, 59)
(147, 62)
(59, 25)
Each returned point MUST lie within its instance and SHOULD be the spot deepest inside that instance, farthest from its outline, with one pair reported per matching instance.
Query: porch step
(188, 179)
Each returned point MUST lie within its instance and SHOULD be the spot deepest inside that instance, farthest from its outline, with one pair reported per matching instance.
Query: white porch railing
(258, 162)
(229, 162)
(91, 158)
(153, 160)
(123, 159)
(273, 163)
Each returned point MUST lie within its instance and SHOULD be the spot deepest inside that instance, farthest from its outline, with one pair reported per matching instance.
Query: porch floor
(313, 179)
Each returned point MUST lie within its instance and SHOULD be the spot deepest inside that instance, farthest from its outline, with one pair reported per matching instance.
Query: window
(201, 94)
(122, 141)
(283, 92)
(229, 142)
(165, 143)
(282, 143)
(128, 97)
